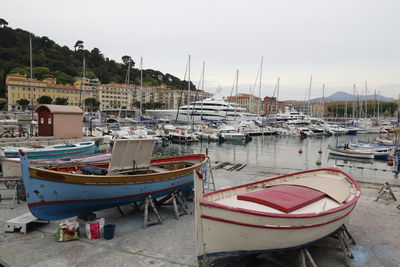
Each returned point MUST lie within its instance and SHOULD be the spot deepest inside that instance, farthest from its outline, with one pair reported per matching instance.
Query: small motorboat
(346, 151)
(208, 135)
(380, 151)
(131, 175)
(281, 213)
(182, 136)
(229, 133)
(51, 152)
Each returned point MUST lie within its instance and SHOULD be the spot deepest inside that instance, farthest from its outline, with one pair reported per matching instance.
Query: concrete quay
(374, 226)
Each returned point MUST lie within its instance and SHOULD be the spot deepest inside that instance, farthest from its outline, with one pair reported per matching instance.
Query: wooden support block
(304, 254)
(21, 222)
(147, 222)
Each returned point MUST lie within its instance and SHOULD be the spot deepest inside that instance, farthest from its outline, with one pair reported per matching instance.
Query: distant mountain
(343, 96)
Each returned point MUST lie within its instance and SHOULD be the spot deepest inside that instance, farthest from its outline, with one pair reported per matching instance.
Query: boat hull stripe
(275, 227)
(111, 198)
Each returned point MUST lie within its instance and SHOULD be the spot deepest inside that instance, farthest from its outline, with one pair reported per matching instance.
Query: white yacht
(213, 109)
(290, 116)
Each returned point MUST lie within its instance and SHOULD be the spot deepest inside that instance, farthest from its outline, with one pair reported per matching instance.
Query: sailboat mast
(353, 104)
(83, 75)
(323, 100)
(366, 100)
(379, 92)
(188, 99)
(259, 88)
(277, 94)
(31, 72)
(200, 85)
(375, 105)
(141, 86)
(30, 57)
(237, 81)
(309, 96)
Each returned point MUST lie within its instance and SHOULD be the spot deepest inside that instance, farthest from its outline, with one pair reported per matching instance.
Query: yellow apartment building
(111, 96)
(21, 87)
(169, 97)
(115, 96)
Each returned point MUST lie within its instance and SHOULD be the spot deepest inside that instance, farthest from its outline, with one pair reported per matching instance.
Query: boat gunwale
(213, 204)
(127, 179)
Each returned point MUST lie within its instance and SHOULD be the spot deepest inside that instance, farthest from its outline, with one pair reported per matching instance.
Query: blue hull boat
(55, 151)
(54, 195)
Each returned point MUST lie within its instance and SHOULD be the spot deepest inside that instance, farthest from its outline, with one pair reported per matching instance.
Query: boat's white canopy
(130, 153)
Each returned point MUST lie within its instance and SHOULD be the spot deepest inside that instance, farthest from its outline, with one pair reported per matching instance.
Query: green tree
(63, 61)
(23, 102)
(127, 59)
(91, 103)
(91, 75)
(44, 99)
(78, 45)
(3, 104)
(63, 78)
(41, 72)
(3, 22)
(20, 71)
(61, 101)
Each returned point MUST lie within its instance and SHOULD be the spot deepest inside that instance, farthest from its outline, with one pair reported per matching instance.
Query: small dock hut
(59, 121)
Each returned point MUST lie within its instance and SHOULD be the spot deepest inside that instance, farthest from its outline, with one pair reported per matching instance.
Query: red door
(45, 122)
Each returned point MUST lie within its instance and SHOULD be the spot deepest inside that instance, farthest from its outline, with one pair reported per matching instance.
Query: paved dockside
(374, 226)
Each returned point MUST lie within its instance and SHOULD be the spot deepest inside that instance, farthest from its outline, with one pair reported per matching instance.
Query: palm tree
(3, 22)
(79, 45)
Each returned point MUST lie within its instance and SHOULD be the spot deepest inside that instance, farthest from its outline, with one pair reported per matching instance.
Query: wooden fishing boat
(130, 177)
(281, 213)
(51, 152)
(352, 153)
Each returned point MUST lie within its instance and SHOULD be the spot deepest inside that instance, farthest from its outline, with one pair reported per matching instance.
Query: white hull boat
(352, 153)
(211, 109)
(209, 135)
(228, 133)
(281, 213)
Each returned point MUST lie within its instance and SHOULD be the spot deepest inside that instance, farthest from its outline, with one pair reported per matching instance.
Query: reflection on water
(347, 160)
(281, 154)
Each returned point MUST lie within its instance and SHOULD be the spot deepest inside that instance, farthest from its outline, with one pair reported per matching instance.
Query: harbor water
(276, 155)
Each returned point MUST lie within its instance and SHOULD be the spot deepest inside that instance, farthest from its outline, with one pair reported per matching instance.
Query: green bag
(67, 231)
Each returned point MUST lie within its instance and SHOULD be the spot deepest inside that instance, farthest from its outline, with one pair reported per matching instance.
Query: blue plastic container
(109, 231)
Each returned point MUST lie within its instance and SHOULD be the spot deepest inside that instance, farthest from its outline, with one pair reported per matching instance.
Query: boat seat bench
(285, 198)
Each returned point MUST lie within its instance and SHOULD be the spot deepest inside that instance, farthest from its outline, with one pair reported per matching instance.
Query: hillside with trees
(60, 62)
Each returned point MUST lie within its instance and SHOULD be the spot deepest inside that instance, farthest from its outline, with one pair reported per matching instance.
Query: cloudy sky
(339, 43)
